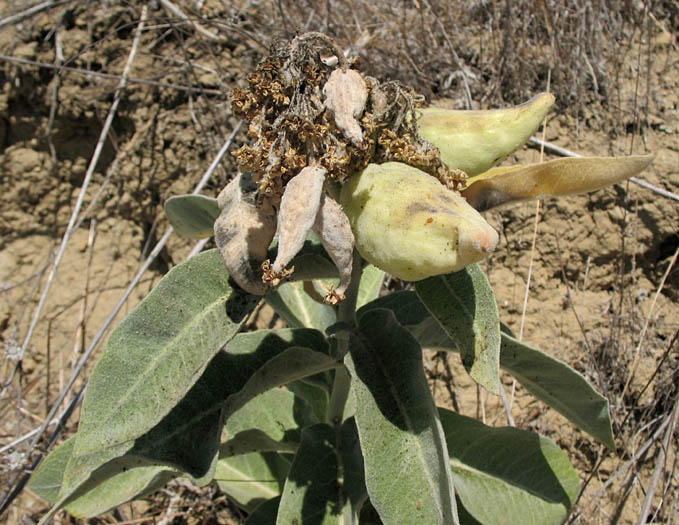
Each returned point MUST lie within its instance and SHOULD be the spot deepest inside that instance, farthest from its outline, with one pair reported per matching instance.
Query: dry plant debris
(314, 119)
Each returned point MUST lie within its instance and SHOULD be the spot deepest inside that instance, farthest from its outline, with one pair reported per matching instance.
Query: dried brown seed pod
(333, 228)
(299, 207)
(243, 232)
(346, 94)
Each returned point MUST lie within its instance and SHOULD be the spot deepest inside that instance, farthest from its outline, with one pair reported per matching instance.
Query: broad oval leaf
(550, 380)
(120, 488)
(278, 414)
(298, 309)
(464, 305)
(192, 216)
(325, 484)
(506, 475)
(567, 176)
(372, 280)
(315, 393)
(406, 460)
(559, 386)
(159, 351)
(251, 479)
(251, 364)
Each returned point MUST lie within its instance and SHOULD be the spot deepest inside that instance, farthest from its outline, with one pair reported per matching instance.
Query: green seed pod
(408, 224)
(475, 141)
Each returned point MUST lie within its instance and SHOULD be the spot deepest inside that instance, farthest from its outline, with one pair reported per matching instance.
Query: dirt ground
(595, 270)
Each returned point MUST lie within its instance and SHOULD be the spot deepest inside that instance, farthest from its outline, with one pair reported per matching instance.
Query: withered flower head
(419, 175)
(313, 118)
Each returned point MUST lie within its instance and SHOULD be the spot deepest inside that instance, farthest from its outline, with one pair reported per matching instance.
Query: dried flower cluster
(313, 118)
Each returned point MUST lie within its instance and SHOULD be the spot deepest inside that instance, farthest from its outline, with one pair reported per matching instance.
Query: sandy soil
(597, 264)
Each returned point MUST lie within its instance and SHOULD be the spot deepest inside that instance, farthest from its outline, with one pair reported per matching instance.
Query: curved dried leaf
(557, 177)
(333, 228)
(346, 94)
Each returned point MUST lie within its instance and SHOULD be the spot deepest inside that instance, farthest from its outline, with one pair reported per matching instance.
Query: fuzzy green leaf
(192, 216)
(271, 421)
(406, 460)
(372, 279)
(313, 492)
(464, 305)
(251, 364)
(265, 514)
(298, 309)
(251, 479)
(159, 351)
(559, 386)
(96, 499)
(507, 475)
(550, 380)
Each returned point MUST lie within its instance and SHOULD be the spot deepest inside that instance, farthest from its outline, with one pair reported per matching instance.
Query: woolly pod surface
(243, 232)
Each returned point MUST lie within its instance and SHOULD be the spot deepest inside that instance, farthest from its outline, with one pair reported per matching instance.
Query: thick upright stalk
(346, 313)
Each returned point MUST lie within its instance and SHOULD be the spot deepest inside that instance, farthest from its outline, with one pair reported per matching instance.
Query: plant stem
(346, 312)
(339, 396)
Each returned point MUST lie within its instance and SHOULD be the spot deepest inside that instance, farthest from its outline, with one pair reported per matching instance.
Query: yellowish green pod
(475, 141)
(408, 224)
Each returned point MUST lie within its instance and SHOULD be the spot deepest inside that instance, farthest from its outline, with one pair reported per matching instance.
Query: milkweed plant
(331, 420)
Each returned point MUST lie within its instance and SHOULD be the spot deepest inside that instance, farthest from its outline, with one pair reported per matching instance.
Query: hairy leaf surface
(506, 475)
(314, 492)
(192, 216)
(464, 305)
(406, 460)
(251, 364)
(559, 386)
(298, 309)
(251, 479)
(550, 380)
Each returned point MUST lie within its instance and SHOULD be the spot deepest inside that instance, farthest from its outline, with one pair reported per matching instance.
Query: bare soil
(595, 270)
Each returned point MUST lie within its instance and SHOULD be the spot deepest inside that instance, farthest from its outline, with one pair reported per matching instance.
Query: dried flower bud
(345, 96)
(333, 228)
(408, 224)
(299, 207)
(243, 232)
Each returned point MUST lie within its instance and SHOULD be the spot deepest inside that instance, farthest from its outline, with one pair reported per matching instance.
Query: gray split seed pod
(333, 228)
(299, 207)
(243, 232)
